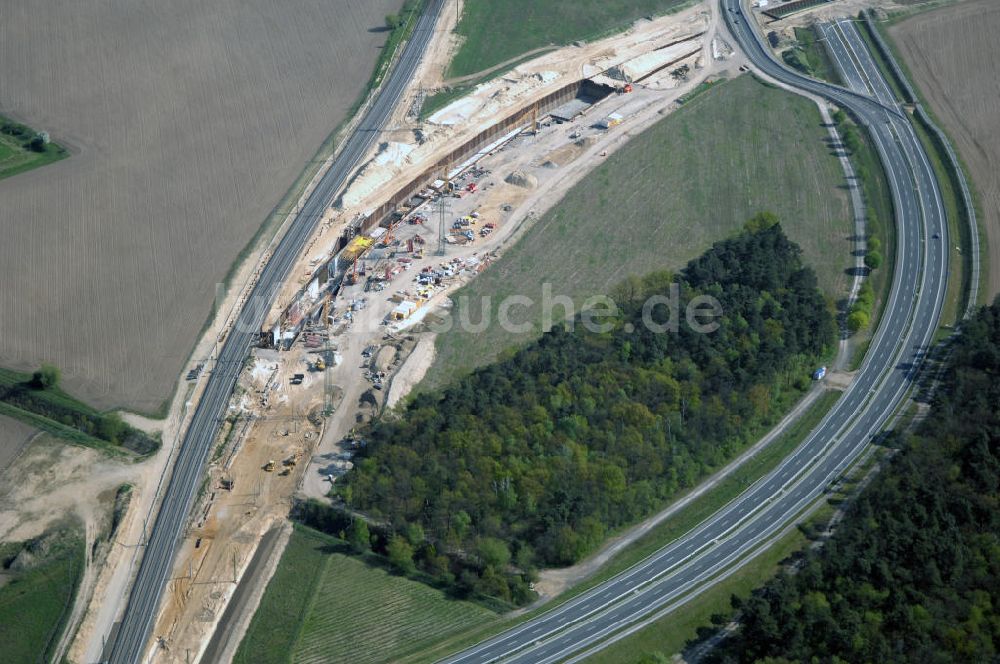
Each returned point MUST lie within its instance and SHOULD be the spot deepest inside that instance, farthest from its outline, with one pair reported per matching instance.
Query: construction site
(431, 209)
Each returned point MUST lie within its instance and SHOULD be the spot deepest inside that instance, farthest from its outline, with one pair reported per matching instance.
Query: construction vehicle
(352, 276)
(320, 364)
(269, 466)
(285, 473)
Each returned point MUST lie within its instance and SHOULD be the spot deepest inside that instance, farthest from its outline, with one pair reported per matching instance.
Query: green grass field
(493, 32)
(695, 177)
(16, 157)
(813, 59)
(35, 601)
(323, 606)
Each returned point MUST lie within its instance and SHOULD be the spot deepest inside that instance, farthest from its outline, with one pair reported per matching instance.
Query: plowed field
(188, 120)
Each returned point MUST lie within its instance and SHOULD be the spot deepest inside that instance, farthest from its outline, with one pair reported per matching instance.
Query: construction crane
(352, 277)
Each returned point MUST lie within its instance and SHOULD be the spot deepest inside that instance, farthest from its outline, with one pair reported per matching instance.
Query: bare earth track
(949, 53)
(187, 122)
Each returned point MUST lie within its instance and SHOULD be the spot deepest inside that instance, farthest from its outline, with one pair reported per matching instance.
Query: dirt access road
(187, 121)
(949, 53)
(228, 529)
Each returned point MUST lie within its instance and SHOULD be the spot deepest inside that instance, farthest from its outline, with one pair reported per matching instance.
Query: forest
(912, 573)
(534, 460)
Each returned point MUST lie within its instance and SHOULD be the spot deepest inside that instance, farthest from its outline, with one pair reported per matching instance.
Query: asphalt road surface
(667, 578)
(140, 613)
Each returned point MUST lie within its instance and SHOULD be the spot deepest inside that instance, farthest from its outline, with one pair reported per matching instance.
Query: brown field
(188, 120)
(13, 436)
(950, 54)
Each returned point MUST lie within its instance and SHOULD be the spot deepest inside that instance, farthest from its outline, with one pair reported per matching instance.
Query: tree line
(40, 394)
(533, 460)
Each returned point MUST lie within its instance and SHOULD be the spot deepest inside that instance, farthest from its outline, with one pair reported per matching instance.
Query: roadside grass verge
(699, 89)
(880, 223)
(493, 32)
(37, 594)
(673, 632)
(959, 268)
(757, 467)
(663, 534)
(958, 213)
(736, 149)
(897, 86)
(16, 152)
(400, 30)
(322, 605)
(435, 102)
(699, 618)
(809, 56)
(915, 7)
(57, 413)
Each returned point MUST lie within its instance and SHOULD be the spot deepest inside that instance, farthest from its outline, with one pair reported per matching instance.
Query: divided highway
(690, 564)
(130, 640)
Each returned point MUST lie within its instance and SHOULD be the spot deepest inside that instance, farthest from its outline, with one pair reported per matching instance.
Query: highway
(672, 575)
(140, 613)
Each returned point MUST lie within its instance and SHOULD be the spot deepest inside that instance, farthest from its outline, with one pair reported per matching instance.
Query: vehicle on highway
(669, 577)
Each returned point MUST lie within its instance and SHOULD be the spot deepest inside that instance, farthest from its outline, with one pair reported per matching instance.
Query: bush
(46, 377)
(852, 139)
(111, 428)
(795, 59)
(873, 259)
(857, 321)
(861, 312)
(359, 536)
(493, 553)
(400, 554)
